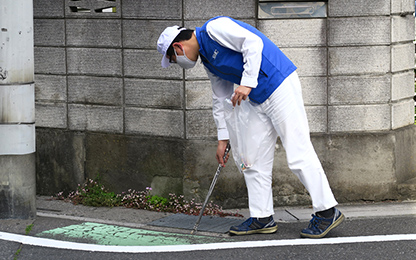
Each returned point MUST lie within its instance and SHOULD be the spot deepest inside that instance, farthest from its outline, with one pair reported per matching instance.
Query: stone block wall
(105, 106)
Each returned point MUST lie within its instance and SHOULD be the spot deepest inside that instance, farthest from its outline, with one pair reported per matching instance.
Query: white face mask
(184, 61)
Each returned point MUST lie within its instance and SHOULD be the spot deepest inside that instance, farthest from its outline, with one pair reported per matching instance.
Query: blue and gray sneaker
(319, 227)
(253, 226)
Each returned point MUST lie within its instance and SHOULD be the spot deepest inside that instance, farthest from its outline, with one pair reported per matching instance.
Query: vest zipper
(264, 73)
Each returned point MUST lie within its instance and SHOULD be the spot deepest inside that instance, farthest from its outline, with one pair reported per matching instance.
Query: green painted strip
(122, 236)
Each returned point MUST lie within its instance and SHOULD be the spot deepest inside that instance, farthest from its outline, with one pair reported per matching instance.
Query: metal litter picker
(211, 188)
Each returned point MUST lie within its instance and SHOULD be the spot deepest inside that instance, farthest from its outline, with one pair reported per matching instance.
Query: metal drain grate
(208, 223)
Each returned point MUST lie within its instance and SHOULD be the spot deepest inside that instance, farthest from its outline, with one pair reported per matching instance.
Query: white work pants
(283, 114)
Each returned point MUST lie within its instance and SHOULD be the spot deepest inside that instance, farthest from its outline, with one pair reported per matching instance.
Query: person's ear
(178, 48)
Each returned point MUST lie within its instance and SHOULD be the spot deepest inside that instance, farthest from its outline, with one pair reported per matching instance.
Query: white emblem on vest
(215, 54)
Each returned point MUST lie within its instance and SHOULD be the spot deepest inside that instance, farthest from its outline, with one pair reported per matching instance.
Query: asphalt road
(351, 229)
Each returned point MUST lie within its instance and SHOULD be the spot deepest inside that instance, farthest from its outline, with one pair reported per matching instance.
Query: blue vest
(228, 64)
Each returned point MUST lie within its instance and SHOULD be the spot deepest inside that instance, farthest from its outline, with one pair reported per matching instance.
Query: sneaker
(319, 227)
(252, 226)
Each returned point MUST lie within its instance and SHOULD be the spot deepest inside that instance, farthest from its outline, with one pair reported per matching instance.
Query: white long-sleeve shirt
(231, 35)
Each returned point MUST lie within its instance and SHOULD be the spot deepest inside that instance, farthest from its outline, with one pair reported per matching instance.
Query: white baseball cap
(165, 40)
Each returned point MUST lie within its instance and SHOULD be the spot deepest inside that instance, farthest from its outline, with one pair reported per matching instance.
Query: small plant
(28, 229)
(17, 253)
(92, 193)
(19, 250)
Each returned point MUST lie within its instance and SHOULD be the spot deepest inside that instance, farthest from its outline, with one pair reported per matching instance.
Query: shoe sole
(268, 230)
(334, 225)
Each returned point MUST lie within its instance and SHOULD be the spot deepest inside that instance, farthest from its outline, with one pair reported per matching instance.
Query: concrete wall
(104, 105)
(17, 111)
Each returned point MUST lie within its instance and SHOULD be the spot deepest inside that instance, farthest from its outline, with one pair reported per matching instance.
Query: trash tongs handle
(211, 188)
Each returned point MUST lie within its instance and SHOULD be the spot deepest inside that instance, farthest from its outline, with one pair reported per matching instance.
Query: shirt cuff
(249, 82)
(223, 134)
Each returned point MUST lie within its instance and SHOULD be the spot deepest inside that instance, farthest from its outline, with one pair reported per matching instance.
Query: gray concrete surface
(48, 207)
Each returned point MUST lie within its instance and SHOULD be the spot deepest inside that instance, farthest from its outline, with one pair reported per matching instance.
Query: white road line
(43, 242)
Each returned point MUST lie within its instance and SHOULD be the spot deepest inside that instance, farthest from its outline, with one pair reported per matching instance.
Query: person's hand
(240, 93)
(222, 144)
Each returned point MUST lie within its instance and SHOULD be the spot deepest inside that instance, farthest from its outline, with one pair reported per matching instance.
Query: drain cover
(207, 223)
